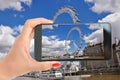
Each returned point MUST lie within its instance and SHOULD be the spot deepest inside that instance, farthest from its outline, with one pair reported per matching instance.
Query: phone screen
(85, 41)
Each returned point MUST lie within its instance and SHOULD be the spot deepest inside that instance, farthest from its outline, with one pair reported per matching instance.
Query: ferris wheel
(77, 45)
(73, 13)
(70, 10)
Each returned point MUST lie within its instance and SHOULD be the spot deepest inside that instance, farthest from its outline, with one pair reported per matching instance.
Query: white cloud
(0, 31)
(31, 49)
(105, 5)
(18, 29)
(2, 55)
(53, 37)
(14, 4)
(7, 38)
(50, 26)
(95, 37)
(89, 1)
(47, 26)
(94, 26)
(114, 19)
(16, 15)
(112, 6)
(53, 46)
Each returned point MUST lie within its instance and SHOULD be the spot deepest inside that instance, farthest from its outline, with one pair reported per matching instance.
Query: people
(18, 61)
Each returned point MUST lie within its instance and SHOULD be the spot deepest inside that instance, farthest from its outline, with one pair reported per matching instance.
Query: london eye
(77, 45)
(73, 14)
(69, 10)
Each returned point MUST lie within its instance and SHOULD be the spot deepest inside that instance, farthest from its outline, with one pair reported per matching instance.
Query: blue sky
(14, 13)
(47, 9)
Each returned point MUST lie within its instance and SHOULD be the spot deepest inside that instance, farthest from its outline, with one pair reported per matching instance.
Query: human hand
(18, 61)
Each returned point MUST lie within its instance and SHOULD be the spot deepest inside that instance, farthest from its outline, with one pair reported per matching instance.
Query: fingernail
(56, 65)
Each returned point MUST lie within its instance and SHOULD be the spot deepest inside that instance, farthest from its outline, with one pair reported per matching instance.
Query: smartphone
(73, 42)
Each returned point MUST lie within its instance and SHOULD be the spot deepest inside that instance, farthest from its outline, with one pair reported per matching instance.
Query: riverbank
(79, 77)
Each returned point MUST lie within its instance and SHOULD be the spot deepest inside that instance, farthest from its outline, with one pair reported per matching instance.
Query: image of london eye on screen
(75, 41)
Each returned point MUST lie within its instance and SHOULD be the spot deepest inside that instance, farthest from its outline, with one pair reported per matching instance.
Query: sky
(14, 13)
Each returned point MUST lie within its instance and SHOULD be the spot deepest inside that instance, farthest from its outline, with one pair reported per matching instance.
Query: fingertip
(56, 65)
(50, 21)
(44, 20)
(46, 65)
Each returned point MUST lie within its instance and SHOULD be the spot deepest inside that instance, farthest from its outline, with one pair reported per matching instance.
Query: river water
(93, 77)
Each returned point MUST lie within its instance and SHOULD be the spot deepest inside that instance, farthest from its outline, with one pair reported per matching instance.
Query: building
(94, 50)
(116, 52)
(113, 62)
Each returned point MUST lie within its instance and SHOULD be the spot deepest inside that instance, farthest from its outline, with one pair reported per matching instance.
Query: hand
(19, 61)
